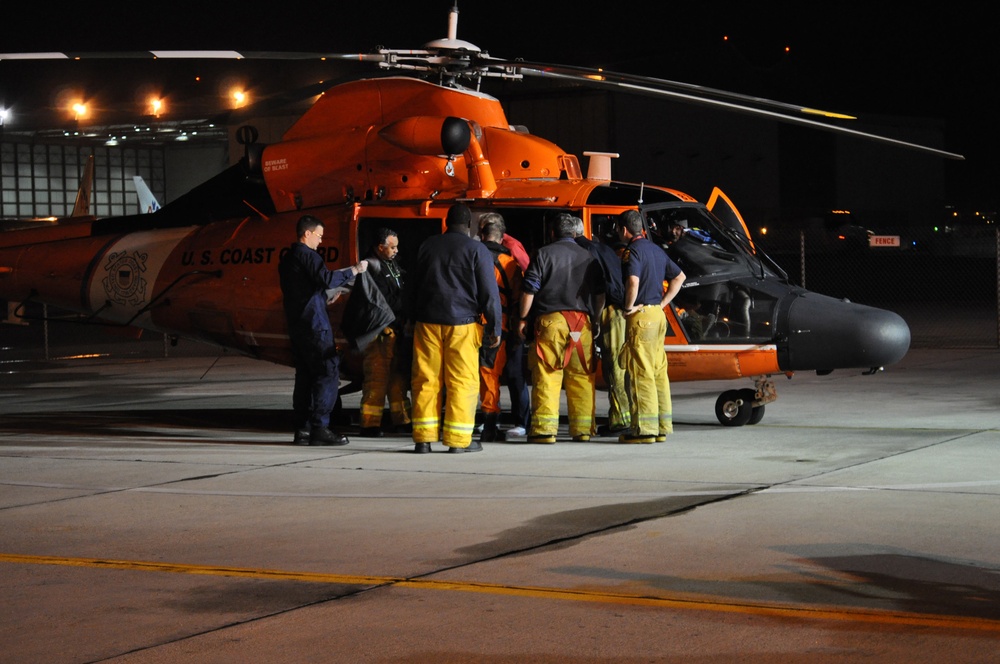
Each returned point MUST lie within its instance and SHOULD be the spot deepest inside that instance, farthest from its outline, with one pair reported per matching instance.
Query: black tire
(728, 410)
(757, 412)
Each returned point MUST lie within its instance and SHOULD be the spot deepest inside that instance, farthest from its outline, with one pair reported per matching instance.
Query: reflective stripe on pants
(645, 360)
(445, 368)
(383, 378)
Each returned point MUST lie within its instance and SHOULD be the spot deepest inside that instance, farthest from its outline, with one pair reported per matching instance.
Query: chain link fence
(947, 292)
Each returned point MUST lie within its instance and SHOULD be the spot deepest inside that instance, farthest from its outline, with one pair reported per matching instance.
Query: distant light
(239, 98)
(4, 114)
(80, 110)
(155, 107)
(788, 49)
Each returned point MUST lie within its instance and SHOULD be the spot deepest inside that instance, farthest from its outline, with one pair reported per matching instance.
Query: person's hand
(522, 329)
(494, 341)
(361, 267)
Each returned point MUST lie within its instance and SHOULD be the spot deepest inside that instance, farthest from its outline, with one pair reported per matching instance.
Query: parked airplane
(147, 202)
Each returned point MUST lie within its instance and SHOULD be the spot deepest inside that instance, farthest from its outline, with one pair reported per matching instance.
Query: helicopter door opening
(724, 209)
(411, 233)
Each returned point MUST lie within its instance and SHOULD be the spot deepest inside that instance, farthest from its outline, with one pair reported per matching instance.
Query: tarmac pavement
(154, 510)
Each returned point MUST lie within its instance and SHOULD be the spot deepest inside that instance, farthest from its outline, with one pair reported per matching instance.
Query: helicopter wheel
(733, 408)
(756, 412)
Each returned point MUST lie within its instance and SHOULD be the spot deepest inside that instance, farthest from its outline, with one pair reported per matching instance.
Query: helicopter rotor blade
(455, 60)
(730, 101)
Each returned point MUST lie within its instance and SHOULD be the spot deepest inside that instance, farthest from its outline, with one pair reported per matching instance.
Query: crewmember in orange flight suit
(451, 287)
(645, 266)
(508, 278)
(564, 293)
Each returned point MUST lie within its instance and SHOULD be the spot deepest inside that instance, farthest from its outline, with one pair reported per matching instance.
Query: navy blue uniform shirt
(651, 264)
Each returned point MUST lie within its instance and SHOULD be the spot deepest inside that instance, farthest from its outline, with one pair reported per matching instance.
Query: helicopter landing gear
(735, 408)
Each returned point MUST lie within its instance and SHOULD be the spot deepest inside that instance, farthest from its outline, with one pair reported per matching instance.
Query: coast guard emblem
(124, 283)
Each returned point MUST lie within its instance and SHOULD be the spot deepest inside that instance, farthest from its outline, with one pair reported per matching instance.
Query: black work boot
(302, 435)
(323, 436)
(489, 434)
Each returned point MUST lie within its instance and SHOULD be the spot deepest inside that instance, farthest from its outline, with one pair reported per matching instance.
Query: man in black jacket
(388, 356)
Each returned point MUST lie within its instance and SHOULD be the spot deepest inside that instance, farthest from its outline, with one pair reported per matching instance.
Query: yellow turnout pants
(384, 377)
(445, 369)
(556, 363)
(612, 339)
(644, 359)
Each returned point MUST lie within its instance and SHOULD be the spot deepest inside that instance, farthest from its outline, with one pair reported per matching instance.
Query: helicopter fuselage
(397, 152)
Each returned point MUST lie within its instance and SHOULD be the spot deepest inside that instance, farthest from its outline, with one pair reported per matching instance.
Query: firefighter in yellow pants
(562, 358)
(611, 342)
(445, 356)
(453, 289)
(645, 361)
(645, 269)
(563, 291)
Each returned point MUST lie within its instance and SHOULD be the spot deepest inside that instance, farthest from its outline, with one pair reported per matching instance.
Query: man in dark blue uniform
(611, 337)
(304, 280)
(645, 267)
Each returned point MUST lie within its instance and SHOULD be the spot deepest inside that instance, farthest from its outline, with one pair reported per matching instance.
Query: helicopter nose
(826, 333)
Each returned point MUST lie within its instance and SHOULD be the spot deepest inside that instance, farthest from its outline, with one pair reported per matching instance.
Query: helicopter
(397, 150)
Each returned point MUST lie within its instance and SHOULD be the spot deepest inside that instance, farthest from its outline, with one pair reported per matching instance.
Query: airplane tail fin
(147, 202)
(82, 207)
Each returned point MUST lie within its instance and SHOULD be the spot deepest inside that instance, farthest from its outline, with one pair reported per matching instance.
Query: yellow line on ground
(730, 606)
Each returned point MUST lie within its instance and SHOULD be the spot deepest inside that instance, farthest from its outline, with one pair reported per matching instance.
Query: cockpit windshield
(725, 296)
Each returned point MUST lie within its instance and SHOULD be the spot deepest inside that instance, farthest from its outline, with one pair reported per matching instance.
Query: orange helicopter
(396, 151)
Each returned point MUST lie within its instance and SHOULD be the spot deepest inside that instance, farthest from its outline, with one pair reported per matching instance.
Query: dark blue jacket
(304, 280)
(454, 283)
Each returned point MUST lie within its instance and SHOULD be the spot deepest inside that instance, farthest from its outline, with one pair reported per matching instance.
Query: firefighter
(612, 335)
(645, 267)
(452, 287)
(564, 295)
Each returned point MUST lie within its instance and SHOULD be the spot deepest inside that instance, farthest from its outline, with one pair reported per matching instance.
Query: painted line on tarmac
(732, 606)
(731, 488)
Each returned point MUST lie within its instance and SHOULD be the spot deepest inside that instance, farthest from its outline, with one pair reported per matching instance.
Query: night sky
(850, 58)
